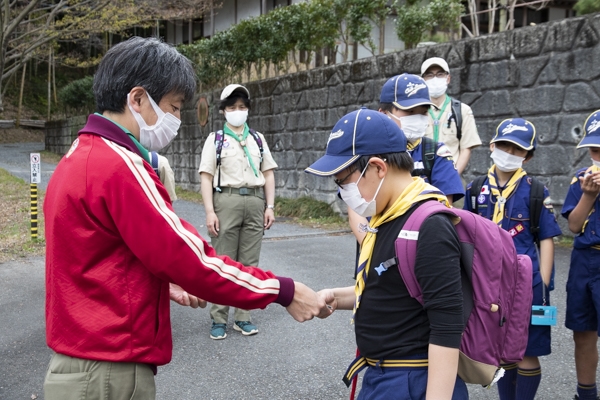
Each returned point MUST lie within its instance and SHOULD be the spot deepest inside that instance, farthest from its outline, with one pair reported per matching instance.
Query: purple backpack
(496, 289)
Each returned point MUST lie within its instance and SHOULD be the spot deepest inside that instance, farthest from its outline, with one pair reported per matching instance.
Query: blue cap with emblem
(361, 133)
(517, 131)
(591, 130)
(406, 91)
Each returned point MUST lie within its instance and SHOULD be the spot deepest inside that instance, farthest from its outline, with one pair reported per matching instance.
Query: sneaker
(246, 327)
(577, 397)
(218, 331)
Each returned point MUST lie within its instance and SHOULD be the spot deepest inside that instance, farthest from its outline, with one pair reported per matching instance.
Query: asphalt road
(286, 360)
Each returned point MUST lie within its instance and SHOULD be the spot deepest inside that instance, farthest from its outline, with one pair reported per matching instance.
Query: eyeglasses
(439, 74)
(340, 182)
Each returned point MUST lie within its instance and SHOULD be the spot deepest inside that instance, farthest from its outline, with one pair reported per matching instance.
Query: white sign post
(36, 175)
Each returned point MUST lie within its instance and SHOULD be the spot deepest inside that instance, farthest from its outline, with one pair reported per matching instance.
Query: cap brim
(331, 165)
(589, 141)
(523, 145)
(413, 103)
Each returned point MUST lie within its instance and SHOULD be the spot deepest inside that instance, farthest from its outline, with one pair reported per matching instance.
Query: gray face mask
(352, 197)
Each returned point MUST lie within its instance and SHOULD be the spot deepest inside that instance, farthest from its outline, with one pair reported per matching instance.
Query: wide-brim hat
(361, 133)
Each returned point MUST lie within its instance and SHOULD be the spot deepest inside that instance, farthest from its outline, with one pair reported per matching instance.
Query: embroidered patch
(593, 126)
(444, 151)
(481, 199)
(514, 231)
(335, 135)
(418, 165)
(548, 203)
(411, 88)
(73, 147)
(485, 189)
(226, 143)
(511, 128)
(574, 180)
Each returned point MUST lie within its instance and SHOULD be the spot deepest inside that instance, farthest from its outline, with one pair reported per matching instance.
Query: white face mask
(413, 126)
(506, 162)
(437, 87)
(160, 134)
(596, 163)
(236, 118)
(352, 197)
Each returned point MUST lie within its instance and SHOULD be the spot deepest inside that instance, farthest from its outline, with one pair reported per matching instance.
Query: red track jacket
(113, 244)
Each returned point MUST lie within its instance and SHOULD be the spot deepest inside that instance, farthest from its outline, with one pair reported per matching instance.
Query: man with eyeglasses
(452, 122)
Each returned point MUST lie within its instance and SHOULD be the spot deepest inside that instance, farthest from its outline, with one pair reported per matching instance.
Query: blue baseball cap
(517, 131)
(406, 91)
(361, 133)
(591, 130)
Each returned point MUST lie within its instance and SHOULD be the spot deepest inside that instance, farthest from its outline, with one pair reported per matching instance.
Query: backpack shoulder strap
(428, 148)
(219, 145)
(154, 161)
(536, 202)
(258, 141)
(406, 244)
(475, 190)
(457, 112)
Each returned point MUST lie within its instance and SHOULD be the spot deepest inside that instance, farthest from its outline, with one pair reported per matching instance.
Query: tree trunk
(18, 121)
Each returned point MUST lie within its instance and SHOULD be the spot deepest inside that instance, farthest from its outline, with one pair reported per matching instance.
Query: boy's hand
(590, 183)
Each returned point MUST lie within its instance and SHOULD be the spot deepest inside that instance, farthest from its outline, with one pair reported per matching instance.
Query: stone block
(580, 96)
(470, 97)
(480, 161)
(283, 85)
(486, 128)
(561, 34)
(493, 104)
(266, 88)
(317, 98)
(438, 50)
(363, 69)
(319, 139)
(500, 74)
(546, 129)
(368, 92)
(528, 41)
(469, 78)
(300, 81)
(320, 118)
(587, 37)
(306, 120)
(263, 106)
(344, 71)
(531, 69)
(292, 121)
(539, 100)
(580, 64)
(454, 59)
(410, 60)
(334, 97)
(302, 103)
(549, 160)
(386, 64)
(570, 128)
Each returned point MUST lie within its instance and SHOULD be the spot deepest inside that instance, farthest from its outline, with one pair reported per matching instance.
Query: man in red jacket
(114, 244)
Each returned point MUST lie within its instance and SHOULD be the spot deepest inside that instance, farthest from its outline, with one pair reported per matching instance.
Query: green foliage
(78, 96)
(587, 6)
(304, 208)
(415, 20)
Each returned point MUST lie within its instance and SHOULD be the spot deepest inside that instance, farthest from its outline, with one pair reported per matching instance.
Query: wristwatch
(271, 206)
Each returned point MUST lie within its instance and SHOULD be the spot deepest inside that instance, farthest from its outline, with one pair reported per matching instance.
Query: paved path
(286, 360)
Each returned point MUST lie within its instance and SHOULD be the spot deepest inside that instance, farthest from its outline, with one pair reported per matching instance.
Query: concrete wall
(548, 74)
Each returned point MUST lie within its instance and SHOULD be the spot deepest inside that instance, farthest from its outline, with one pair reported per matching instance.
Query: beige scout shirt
(470, 137)
(165, 173)
(235, 169)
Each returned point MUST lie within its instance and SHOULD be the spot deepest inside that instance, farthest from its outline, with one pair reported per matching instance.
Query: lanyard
(436, 119)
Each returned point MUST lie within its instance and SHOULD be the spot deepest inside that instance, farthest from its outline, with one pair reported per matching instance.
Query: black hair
(147, 62)
(233, 98)
(402, 161)
(387, 107)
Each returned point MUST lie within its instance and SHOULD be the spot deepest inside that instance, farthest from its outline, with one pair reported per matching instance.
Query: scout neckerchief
(436, 119)
(411, 146)
(590, 170)
(242, 143)
(416, 192)
(503, 195)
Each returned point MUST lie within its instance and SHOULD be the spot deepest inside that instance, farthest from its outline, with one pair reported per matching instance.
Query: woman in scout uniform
(504, 198)
(234, 191)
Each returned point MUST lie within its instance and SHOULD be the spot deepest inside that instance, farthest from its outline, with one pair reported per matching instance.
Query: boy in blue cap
(405, 98)
(411, 351)
(504, 198)
(581, 208)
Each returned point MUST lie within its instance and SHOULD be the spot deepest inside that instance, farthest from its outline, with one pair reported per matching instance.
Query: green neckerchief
(141, 148)
(436, 120)
(242, 142)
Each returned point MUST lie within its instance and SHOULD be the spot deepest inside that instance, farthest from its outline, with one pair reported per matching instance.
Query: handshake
(305, 305)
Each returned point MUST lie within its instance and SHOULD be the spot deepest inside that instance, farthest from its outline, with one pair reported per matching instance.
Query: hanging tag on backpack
(543, 315)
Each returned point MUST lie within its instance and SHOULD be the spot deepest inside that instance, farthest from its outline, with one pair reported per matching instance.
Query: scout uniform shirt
(444, 175)
(235, 169)
(447, 129)
(516, 218)
(590, 235)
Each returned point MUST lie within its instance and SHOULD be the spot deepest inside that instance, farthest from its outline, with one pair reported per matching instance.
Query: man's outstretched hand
(180, 296)
(307, 304)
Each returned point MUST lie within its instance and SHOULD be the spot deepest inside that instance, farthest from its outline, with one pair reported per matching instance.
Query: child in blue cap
(411, 351)
(405, 98)
(504, 197)
(581, 208)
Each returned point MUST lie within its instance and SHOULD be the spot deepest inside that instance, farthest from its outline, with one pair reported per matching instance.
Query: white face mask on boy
(414, 126)
(506, 162)
(160, 134)
(352, 197)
